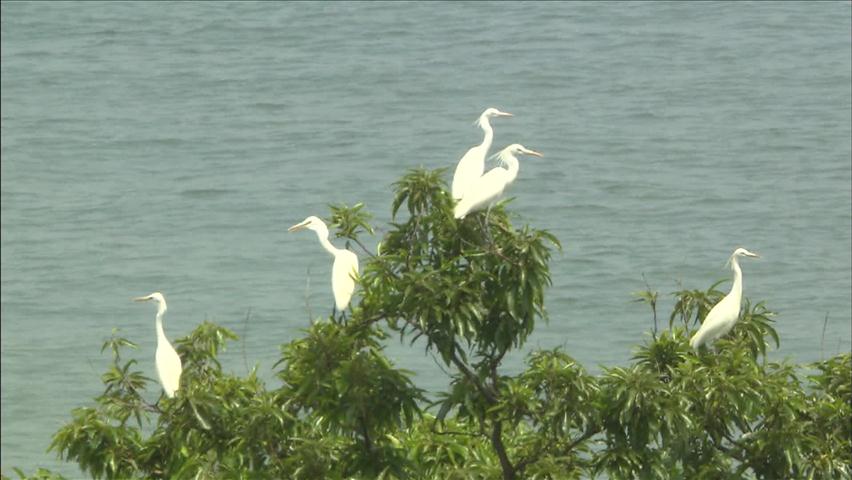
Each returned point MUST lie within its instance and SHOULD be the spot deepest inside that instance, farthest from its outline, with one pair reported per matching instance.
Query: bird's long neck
(489, 133)
(322, 236)
(161, 334)
(737, 287)
(511, 166)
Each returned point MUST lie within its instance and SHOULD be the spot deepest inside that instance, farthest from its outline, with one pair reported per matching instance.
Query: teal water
(168, 146)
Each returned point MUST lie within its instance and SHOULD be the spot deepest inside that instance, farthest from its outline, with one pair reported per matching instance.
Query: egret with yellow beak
(168, 362)
(472, 164)
(724, 315)
(489, 187)
(345, 267)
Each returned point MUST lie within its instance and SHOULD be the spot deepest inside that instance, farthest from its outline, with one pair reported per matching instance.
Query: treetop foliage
(473, 290)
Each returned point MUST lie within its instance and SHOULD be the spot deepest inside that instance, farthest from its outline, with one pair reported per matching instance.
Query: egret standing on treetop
(488, 188)
(168, 362)
(722, 317)
(472, 164)
(345, 267)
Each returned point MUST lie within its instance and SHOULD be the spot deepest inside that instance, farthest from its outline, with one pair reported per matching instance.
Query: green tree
(474, 291)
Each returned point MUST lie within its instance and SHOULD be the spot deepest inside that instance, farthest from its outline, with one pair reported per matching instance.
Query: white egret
(168, 363)
(345, 267)
(472, 164)
(488, 188)
(722, 317)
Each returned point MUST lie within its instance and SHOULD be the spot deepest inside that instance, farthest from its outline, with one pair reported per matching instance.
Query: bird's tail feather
(460, 210)
(697, 340)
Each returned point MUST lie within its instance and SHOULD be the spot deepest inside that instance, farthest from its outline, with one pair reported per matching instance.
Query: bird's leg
(334, 313)
(156, 406)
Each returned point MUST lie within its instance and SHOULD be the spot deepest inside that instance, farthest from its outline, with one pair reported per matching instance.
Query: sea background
(168, 146)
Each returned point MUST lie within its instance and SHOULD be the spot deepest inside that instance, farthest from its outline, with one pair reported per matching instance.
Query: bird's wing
(468, 170)
(718, 322)
(488, 187)
(169, 368)
(343, 275)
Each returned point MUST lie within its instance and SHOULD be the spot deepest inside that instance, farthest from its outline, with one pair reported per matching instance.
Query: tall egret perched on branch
(345, 267)
(472, 164)
(722, 317)
(168, 362)
(488, 188)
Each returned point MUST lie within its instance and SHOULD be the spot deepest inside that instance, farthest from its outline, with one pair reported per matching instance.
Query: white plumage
(488, 188)
(345, 267)
(168, 362)
(472, 164)
(724, 315)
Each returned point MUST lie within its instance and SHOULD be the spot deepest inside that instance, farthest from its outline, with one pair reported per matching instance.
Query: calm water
(168, 146)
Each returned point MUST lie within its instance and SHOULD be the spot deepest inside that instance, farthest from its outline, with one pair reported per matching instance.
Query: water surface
(154, 146)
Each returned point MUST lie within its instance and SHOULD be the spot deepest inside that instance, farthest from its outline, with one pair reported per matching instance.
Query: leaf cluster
(473, 290)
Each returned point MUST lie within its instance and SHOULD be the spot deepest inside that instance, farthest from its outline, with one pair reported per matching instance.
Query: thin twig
(461, 366)
(653, 303)
(730, 451)
(489, 247)
(368, 444)
(307, 294)
(453, 432)
(492, 399)
(363, 247)
(435, 359)
(244, 335)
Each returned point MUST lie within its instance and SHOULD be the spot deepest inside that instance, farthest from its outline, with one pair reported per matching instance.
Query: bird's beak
(504, 114)
(534, 153)
(297, 227)
(753, 255)
(141, 299)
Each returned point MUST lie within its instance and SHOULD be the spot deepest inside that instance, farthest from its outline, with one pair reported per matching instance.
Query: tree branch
(497, 443)
(736, 454)
(489, 396)
(519, 468)
(363, 247)
(492, 399)
(494, 361)
(451, 432)
(589, 433)
(366, 434)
